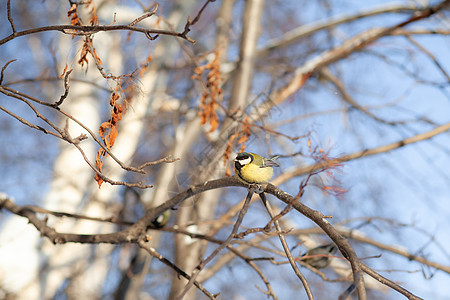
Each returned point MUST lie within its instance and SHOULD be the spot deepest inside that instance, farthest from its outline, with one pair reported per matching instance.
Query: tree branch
(364, 153)
(88, 30)
(356, 43)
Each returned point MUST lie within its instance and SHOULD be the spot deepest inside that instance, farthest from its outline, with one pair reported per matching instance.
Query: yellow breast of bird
(254, 174)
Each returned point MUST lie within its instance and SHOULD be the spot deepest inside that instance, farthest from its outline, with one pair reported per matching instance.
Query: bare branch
(4, 68)
(112, 219)
(286, 248)
(389, 283)
(270, 291)
(348, 47)
(10, 19)
(144, 245)
(317, 217)
(310, 29)
(430, 55)
(66, 89)
(393, 249)
(64, 135)
(326, 73)
(167, 159)
(89, 30)
(62, 238)
(367, 152)
(358, 236)
(190, 22)
(136, 232)
(25, 122)
(21, 96)
(232, 235)
(146, 15)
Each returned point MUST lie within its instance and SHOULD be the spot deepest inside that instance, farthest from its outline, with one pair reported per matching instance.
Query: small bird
(319, 257)
(253, 168)
(160, 220)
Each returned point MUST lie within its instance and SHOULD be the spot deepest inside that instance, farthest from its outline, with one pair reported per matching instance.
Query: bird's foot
(258, 188)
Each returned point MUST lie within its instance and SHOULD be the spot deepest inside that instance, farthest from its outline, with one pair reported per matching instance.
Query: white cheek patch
(160, 219)
(244, 162)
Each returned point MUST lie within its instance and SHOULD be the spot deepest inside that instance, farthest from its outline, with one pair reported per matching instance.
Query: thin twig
(270, 291)
(146, 15)
(360, 41)
(66, 89)
(112, 219)
(86, 30)
(167, 159)
(168, 263)
(64, 135)
(190, 22)
(10, 19)
(233, 250)
(430, 55)
(345, 248)
(4, 68)
(286, 248)
(367, 152)
(326, 73)
(23, 121)
(304, 31)
(232, 235)
(388, 282)
(21, 96)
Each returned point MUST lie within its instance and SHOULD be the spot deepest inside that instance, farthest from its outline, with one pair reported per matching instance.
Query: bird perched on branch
(161, 220)
(253, 168)
(320, 257)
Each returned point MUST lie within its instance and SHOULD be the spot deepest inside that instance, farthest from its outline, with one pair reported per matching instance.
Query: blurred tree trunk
(189, 252)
